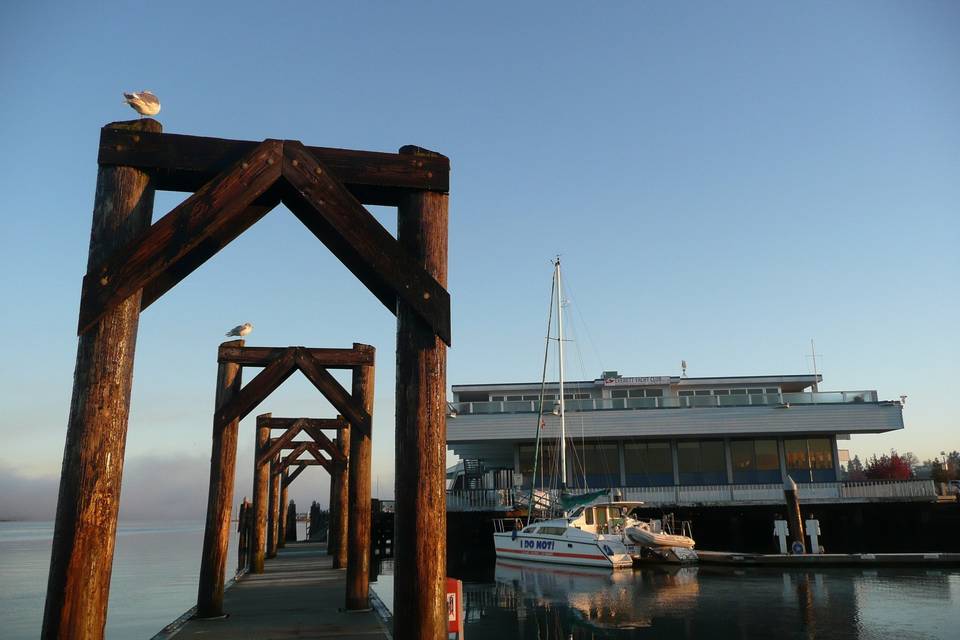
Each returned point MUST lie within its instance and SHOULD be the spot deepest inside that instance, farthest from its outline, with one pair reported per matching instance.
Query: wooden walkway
(299, 595)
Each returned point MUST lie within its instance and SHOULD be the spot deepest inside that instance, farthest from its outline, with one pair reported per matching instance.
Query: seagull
(144, 103)
(241, 330)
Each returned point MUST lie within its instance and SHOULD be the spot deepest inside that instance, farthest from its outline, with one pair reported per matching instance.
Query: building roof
(802, 379)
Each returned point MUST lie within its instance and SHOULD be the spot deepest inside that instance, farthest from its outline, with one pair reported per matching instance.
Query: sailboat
(568, 539)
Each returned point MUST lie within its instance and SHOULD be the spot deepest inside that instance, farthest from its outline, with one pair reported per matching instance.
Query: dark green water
(529, 600)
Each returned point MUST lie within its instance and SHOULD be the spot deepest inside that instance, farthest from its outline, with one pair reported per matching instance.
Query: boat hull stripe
(556, 554)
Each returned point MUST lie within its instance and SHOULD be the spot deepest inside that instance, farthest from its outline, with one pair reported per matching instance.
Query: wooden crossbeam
(293, 474)
(262, 385)
(218, 239)
(360, 241)
(221, 203)
(316, 423)
(280, 442)
(326, 444)
(329, 358)
(186, 163)
(342, 401)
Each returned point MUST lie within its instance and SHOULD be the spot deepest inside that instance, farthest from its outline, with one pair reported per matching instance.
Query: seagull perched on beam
(241, 330)
(144, 102)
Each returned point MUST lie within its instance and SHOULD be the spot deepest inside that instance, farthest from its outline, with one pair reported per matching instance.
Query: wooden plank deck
(299, 595)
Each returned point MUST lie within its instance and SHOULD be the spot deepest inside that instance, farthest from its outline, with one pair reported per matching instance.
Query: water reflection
(533, 600)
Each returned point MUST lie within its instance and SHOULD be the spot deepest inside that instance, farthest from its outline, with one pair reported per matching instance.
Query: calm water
(154, 580)
(528, 600)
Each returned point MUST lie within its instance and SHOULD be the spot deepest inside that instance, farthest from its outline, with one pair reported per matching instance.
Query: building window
(755, 461)
(648, 464)
(601, 464)
(810, 459)
(618, 393)
(496, 398)
(701, 462)
(548, 465)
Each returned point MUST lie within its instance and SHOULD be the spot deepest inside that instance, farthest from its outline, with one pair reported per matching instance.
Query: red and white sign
(454, 609)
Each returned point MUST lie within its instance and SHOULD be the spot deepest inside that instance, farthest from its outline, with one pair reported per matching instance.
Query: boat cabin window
(530, 530)
(576, 512)
(601, 515)
(553, 531)
(589, 515)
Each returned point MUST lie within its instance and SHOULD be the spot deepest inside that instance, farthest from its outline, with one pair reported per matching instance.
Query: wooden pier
(299, 594)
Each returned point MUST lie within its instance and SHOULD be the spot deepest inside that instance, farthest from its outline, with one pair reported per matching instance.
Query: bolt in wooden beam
(84, 532)
(223, 460)
(420, 569)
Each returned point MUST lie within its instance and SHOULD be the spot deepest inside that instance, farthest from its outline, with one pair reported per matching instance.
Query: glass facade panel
(755, 461)
(548, 466)
(648, 464)
(601, 464)
(702, 462)
(810, 460)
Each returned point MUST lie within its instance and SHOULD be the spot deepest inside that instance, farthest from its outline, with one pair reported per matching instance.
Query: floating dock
(299, 595)
(828, 559)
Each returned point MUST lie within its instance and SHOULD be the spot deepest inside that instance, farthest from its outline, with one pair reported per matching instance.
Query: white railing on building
(669, 402)
(727, 494)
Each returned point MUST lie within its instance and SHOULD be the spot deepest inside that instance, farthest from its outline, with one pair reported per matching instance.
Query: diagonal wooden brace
(342, 401)
(221, 204)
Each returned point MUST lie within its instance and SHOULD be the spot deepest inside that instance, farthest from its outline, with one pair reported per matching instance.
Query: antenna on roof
(683, 365)
(813, 354)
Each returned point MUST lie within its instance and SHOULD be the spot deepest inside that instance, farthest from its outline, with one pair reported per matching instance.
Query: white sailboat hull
(608, 554)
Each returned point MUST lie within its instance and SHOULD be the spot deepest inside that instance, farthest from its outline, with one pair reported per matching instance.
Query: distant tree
(910, 459)
(888, 467)
(855, 469)
(945, 471)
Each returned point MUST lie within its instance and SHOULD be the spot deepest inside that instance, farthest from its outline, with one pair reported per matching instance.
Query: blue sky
(723, 182)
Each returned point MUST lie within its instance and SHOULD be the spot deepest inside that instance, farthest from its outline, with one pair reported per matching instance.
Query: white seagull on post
(241, 330)
(144, 102)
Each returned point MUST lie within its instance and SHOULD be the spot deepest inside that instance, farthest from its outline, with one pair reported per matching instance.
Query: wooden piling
(358, 494)
(282, 516)
(794, 520)
(78, 585)
(274, 507)
(420, 546)
(223, 460)
(261, 482)
(243, 535)
(339, 497)
(332, 532)
(291, 530)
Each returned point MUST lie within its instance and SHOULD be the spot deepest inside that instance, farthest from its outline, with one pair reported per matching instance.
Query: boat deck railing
(669, 402)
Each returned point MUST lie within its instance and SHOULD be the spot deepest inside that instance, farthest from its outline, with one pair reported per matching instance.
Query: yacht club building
(670, 438)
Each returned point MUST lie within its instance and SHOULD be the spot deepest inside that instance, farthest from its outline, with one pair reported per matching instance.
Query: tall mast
(563, 425)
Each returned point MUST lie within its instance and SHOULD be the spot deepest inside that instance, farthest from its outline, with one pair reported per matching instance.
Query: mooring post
(223, 459)
(292, 522)
(339, 497)
(243, 535)
(261, 482)
(358, 495)
(274, 507)
(421, 516)
(332, 531)
(794, 521)
(84, 533)
(282, 517)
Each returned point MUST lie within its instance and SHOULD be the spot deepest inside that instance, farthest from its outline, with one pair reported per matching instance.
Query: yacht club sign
(636, 381)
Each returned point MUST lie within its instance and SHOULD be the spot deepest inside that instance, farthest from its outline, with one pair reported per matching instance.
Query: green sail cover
(570, 501)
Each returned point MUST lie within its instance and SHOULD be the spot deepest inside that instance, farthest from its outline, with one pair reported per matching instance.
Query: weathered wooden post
(358, 500)
(282, 516)
(84, 533)
(261, 482)
(339, 497)
(794, 521)
(291, 522)
(332, 532)
(223, 460)
(274, 507)
(243, 535)
(420, 569)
